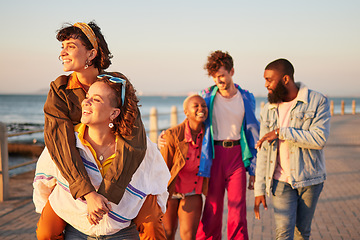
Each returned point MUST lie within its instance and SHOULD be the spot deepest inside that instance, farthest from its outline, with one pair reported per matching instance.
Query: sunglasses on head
(116, 80)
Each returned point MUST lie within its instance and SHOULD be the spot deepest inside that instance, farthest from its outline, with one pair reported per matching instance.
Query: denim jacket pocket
(311, 165)
(304, 119)
(270, 124)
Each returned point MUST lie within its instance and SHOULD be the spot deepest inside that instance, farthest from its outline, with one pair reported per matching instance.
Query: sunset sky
(162, 46)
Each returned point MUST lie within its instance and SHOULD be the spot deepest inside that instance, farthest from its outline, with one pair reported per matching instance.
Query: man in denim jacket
(294, 127)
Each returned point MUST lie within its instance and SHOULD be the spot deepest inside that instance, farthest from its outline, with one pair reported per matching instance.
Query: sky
(162, 45)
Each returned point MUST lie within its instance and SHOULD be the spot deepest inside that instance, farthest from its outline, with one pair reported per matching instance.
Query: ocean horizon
(24, 112)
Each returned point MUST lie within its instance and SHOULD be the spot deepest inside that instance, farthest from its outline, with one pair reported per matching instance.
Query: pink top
(188, 180)
(282, 170)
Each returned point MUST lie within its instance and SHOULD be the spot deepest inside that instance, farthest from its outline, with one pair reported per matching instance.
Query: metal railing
(153, 135)
(4, 153)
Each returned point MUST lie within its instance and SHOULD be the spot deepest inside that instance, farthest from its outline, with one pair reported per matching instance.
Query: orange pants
(148, 222)
(50, 225)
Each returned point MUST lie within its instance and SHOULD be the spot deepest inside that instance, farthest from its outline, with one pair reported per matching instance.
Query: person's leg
(309, 197)
(73, 234)
(149, 220)
(189, 216)
(50, 225)
(210, 225)
(170, 219)
(236, 186)
(128, 233)
(285, 204)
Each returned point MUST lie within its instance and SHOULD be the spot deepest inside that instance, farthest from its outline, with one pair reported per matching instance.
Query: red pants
(227, 172)
(148, 222)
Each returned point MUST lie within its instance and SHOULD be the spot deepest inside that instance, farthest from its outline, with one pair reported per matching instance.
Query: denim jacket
(307, 133)
(249, 132)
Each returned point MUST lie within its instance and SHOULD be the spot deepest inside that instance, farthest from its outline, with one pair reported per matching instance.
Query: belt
(227, 143)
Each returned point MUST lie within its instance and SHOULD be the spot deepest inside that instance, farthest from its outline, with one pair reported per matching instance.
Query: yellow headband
(86, 29)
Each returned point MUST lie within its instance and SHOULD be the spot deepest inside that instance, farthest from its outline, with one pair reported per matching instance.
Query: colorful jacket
(307, 133)
(249, 132)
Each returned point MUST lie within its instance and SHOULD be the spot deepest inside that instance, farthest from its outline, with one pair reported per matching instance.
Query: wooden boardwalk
(337, 215)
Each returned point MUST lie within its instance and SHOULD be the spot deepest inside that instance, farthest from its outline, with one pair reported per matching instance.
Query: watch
(277, 132)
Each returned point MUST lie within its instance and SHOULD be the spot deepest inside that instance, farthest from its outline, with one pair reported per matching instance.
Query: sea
(22, 113)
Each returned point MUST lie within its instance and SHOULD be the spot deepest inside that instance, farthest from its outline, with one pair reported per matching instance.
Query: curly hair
(218, 59)
(102, 59)
(125, 122)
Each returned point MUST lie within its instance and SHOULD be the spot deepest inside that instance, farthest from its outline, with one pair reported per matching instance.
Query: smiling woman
(181, 153)
(63, 105)
(97, 107)
(74, 55)
(85, 52)
(76, 44)
(96, 138)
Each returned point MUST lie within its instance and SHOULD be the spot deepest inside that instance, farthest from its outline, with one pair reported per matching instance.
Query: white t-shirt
(228, 115)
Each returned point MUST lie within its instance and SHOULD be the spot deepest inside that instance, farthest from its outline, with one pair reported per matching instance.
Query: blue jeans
(294, 209)
(129, 233)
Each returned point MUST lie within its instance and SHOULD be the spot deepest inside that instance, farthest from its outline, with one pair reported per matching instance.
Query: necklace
(101, 156)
